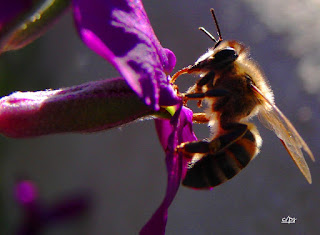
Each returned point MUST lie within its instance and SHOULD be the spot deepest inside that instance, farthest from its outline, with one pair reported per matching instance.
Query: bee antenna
(217, 25)
(218, 30)
(208, 34)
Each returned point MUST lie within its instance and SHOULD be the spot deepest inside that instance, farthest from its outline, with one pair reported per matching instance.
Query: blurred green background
(124, 170)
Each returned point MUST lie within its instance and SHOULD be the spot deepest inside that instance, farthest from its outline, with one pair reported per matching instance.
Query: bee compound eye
(225, 56)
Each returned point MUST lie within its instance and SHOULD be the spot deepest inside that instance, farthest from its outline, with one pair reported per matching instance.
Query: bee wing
(275, 120)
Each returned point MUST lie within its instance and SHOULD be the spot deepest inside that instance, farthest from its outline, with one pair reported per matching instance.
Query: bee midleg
(210, 93)
(202, 95)
(200, 118)
(234, 131)
(205, 80)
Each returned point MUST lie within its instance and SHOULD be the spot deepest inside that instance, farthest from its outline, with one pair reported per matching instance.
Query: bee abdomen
(214, 169)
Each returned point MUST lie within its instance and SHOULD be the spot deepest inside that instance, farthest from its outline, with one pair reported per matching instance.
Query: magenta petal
(120, 32)
(185, 132)
(184, 128)
(171, 61)
(171, 133)
(25, 192)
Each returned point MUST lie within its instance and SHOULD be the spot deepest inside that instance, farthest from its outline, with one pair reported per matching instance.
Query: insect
(234, 89)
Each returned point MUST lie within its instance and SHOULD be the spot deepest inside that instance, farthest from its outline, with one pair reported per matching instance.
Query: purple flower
(37, 216)
(171, 133)
(120, 32)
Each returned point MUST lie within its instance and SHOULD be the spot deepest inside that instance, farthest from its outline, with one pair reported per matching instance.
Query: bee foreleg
(180, 72)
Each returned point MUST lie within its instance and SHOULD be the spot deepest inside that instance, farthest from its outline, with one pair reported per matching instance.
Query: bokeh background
(123, 169)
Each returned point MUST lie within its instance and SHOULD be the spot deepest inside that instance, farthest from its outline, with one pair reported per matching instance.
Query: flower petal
(88, 107)
(120, 32)
(171, 133)
(37, 216)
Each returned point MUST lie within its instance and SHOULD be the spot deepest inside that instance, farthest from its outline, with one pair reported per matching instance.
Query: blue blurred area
(124, 168)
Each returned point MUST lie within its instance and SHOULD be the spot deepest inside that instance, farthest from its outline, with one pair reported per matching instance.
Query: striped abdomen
(214, 169)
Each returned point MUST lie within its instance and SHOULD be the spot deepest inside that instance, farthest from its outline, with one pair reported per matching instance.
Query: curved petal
(171, 133)
(120, 32)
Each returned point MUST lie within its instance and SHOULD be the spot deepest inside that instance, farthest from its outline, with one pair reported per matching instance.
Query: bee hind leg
(234, 132)
(190, 148)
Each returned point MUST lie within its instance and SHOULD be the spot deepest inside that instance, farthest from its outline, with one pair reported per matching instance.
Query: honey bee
(234, 89)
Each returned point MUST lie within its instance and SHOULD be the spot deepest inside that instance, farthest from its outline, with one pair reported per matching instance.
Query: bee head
(220, 56)
(225, 56)
(217, 58)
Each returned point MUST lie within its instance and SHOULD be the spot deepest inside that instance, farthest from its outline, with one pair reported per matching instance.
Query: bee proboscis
(235, 90)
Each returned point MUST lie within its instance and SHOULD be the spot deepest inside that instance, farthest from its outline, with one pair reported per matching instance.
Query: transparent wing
(276, 121)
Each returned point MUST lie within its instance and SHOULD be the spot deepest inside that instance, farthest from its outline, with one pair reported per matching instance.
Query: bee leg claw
(193, 147)
(180, 147)
(214, 146)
